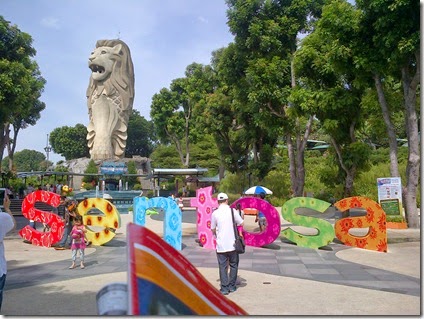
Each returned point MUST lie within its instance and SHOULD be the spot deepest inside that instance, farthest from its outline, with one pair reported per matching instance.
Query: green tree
(91, 169)
(26, 161)
(375, 130)
(70, 142)
(165, 156)
(132, 169)
(324, 67)
(141, 136)
(205, 154)
(261, 72)
(393, 31)
(217, 115)
(172, 109)
(21, 86)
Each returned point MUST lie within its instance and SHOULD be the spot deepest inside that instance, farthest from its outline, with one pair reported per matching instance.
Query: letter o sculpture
(273, 229)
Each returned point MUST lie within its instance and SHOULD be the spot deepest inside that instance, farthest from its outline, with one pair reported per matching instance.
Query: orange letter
(375, 220)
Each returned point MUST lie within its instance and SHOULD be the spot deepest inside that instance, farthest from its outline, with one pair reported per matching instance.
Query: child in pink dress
(78, 241)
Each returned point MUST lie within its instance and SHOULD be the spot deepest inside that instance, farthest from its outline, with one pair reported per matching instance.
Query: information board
(390, 206)
(390, 195)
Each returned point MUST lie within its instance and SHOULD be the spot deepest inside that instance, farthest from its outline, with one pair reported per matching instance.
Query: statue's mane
(122, 76)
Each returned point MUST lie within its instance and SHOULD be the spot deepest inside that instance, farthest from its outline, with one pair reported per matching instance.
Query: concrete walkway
(280, 279)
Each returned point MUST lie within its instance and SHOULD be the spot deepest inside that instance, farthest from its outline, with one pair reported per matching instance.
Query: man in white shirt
(7, 223)
(222, 227)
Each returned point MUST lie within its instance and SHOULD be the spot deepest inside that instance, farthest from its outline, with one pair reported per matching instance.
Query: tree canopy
(21, 86)
(141, 136)
(26, 161)
(70, 142)
(352, 80)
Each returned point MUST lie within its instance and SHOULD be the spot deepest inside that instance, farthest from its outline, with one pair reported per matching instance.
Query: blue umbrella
(256, 190)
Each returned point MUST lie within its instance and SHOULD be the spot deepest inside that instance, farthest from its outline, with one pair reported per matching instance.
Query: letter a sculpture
(110, 97)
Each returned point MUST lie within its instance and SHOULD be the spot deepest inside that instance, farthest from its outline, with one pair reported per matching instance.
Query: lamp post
(48, 148)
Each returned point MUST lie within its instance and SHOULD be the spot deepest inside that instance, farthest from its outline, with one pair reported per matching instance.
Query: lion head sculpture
(110, 96)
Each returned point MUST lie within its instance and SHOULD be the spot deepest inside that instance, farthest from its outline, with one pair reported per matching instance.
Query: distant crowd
(13, 194)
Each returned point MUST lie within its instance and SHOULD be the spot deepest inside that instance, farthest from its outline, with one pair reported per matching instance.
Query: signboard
(390, 195)
(112, 168)
(390, 206)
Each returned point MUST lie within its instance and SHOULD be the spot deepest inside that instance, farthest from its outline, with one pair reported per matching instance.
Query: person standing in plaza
(78, 241)
(70, 214)
(180, 202)
(260, 217)
(7, 223)
(223, 229)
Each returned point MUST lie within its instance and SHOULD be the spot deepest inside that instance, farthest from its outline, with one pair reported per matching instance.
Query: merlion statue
(110, 97)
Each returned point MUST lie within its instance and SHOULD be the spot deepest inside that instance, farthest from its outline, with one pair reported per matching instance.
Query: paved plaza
(279, 279)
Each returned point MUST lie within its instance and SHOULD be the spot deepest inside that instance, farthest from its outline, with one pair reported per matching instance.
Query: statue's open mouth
(97, 68)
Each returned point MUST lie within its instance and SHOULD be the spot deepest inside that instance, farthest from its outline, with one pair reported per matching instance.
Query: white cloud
(202, 19)
(50, 23)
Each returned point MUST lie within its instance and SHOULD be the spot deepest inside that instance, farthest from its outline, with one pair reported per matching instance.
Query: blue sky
(164, 37)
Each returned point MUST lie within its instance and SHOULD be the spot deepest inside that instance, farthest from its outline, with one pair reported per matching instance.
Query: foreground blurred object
(163, 282)
(112, 300)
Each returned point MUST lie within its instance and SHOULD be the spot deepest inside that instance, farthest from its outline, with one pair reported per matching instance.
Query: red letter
(54, 221)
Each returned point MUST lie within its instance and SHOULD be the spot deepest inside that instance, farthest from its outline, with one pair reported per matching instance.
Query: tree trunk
(292, 163)
(179, 149)
(349, 182)
(3, 140)
(349, 171)
(394, 168)
(297, 155)
(11, 146)
(187, 139)
(300, 172)
(410, 85)
(297, 159)
(300, 158)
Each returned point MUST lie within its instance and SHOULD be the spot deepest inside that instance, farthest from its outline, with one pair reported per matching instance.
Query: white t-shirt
(6, 225)
(223, 223)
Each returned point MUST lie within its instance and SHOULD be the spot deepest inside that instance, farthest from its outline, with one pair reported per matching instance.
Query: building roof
(212, 179)
(156, 172)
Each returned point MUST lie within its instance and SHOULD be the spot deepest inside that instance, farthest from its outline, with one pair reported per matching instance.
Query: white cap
(222, 196)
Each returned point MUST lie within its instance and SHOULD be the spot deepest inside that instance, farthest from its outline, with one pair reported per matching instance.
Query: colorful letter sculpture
(109, 222)
(376, 238)
(325, 229)
(172, 225)
(205, 206)
(163, 282)
(37, 238)
(272, 231)
(140, 206)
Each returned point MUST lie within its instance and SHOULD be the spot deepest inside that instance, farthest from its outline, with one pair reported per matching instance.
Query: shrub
(395, 218)
(137, 187)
